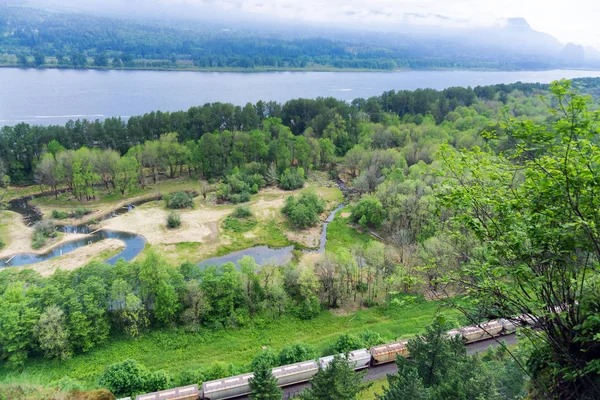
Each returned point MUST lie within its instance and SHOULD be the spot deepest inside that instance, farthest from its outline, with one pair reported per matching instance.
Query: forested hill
(325, 127)
(32, 37)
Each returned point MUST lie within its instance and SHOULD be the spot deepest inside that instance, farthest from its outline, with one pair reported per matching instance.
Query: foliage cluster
(173, 220)
(42, 231)
(179, 200)
(304, 210)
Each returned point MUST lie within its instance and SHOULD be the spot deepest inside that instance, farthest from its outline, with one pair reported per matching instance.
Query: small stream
(134, 244)
(266, 255)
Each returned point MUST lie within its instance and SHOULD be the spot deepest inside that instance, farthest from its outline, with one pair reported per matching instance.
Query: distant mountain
(50, 38)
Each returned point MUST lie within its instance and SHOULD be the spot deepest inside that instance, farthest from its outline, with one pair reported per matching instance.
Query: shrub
(296, 353)
(42, 231)
(1, 244)
(156, 381)
(124, 379)
(237, 225)
(304, 211)
(292, 179)
(267, 357)
(80, 212)
(173, 220)
(309, 308)
(179, 200)
(190, 377)
(59, 214)
(370, 339)
(242, 212)
(368, 212)
(345, 343)
(240, 197)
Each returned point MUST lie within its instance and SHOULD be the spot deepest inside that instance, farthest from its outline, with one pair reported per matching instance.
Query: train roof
(176, 393)
(220, 384)
(291, 369)
(388, 347)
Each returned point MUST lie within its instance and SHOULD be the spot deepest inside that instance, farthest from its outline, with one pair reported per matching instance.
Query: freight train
(286, 375)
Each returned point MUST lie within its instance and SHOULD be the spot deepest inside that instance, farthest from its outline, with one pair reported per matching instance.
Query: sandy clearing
(198, 225)
(76, 259)
(20, 237)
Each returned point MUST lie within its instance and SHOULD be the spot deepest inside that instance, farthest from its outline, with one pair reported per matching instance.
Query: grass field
(340, 234)
(175, 350)
(376, 388)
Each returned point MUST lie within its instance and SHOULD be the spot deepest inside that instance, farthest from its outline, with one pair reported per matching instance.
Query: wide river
(54, 96)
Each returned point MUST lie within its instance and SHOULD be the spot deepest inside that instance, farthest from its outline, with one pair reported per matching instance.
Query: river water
(54, 96)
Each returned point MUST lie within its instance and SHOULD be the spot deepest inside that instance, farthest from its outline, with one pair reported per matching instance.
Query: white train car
(227, 388)
(236, 386)
(181, 393)
(295, 373)
(359, 359)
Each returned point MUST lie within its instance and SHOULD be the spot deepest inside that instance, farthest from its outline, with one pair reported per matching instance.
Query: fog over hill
(395, 37)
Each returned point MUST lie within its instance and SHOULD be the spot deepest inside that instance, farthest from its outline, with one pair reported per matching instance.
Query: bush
(190, 377)
(59, 214)
(345, 343)
(368, 212)
(1, 244)
(129, 378)
(267, 357)
(295, 353)
(42, 231)
(80, 213)
(292, 179)
(179, 200)
(304, 211)
(242, 212)
(309, 308)
(124, 379)
(173, 220)
(240, 197)
(237, 225)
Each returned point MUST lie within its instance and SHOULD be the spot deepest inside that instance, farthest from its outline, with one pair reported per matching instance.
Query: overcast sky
(575, 21)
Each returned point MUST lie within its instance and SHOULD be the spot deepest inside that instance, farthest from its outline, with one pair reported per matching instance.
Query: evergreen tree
(263, 384)
(337, 381)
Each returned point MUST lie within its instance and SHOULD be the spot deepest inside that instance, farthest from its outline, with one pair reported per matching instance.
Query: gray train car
(235, 386)
(227, 388)
(181, 393)
(295, 373)
(359, 359)
(386, 353)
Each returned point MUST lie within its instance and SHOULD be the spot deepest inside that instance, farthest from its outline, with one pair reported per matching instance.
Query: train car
(236, 386)
(484, 331)
(295, 373)
(509, 325)
(387, 353)
(181, 393)
(227, 388)
(359, 359)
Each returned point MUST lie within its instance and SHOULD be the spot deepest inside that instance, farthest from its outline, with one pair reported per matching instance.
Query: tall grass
(176, 350)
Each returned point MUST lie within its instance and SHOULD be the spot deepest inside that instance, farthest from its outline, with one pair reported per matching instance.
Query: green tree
(337, 381)
(127, 378)
(295, 353)
(126, 174)
(533, 214)
(18, 320)
(368, 212)
(52, 333)
(304, 210)
(263, 384)
(404, 385)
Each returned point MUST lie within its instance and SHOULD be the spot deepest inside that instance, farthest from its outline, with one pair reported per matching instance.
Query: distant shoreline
(275, 69)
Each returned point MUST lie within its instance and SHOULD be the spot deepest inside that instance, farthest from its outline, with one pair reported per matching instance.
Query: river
(55, 96)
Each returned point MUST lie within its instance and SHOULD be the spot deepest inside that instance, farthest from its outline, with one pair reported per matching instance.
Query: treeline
(73, 312)
(249, 133)
(39, 38)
